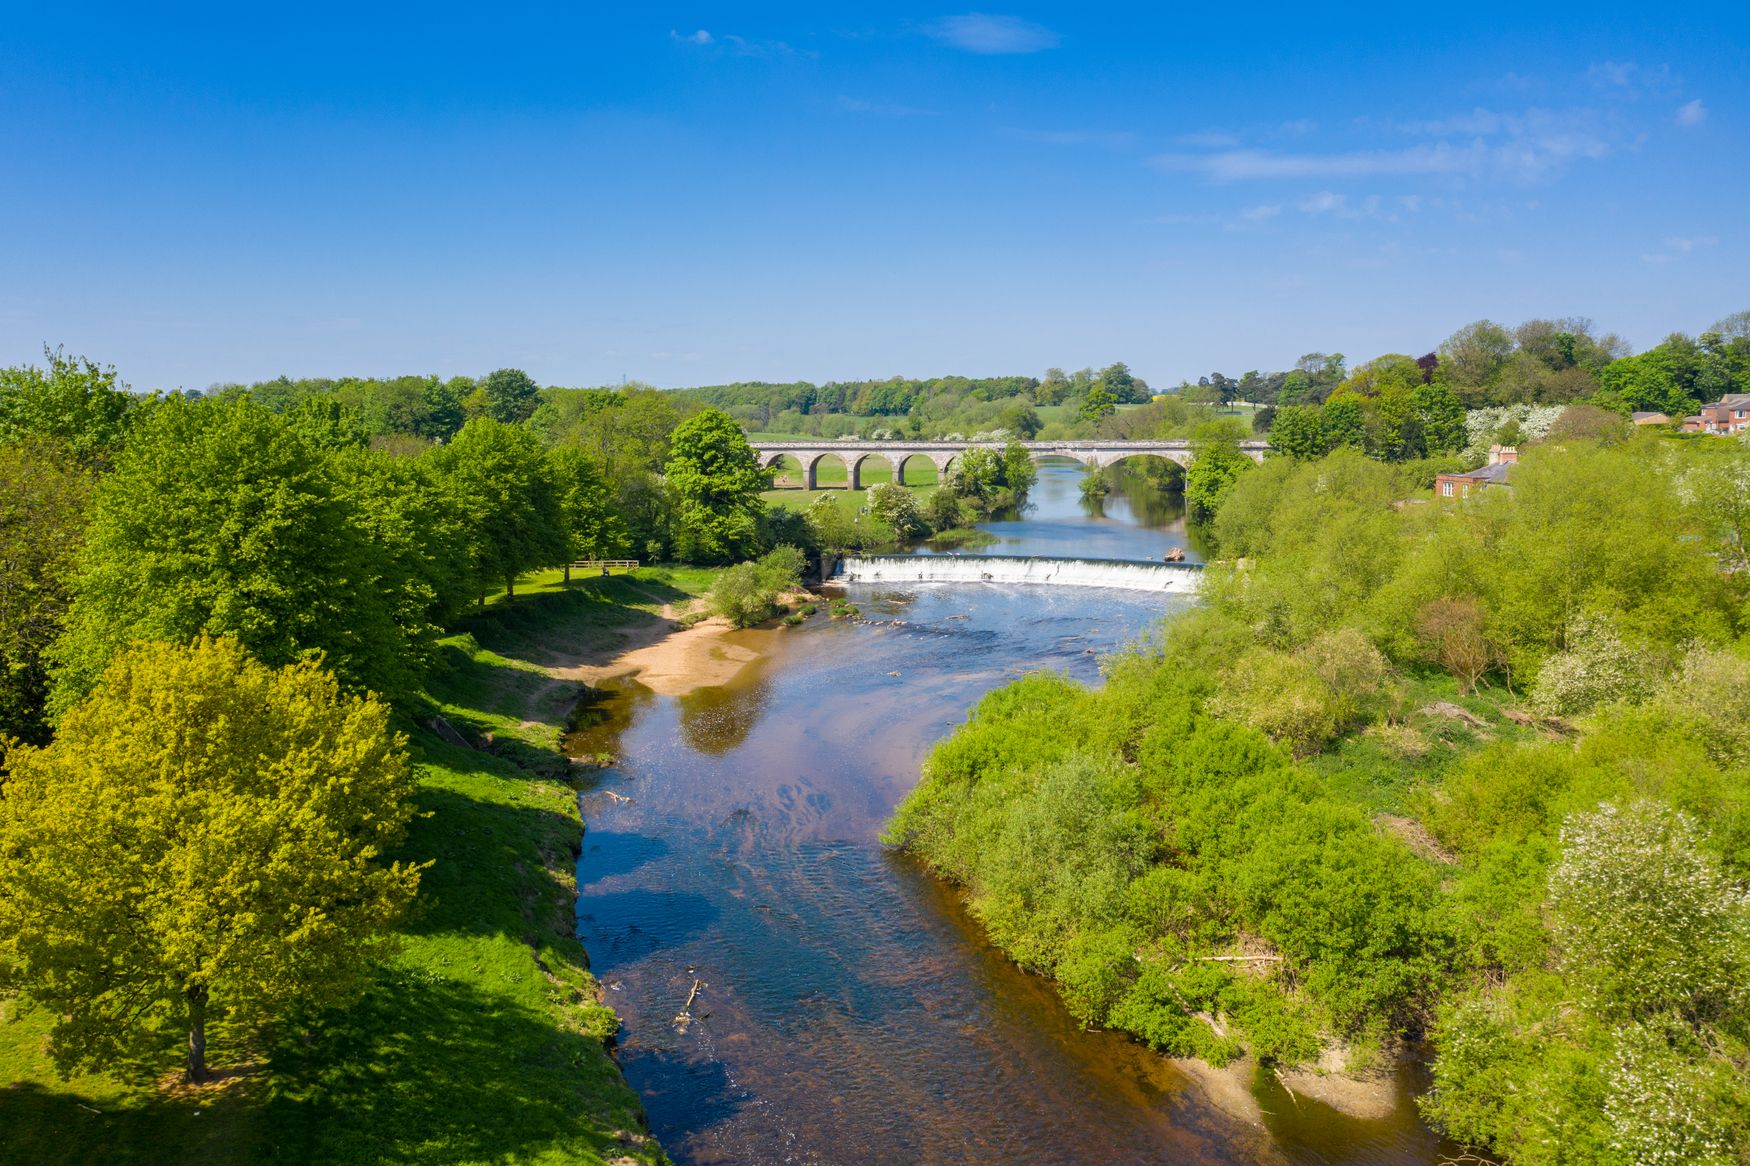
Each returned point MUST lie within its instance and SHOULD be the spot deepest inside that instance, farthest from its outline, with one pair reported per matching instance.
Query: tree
(511, 395)
(1099, 403)
(586, 510)
(1439, 417)
(1123, 386)
(1217, 465)
(221, 517)
(1299, 431)
(1452, 631)
(716, 481)
(1471, 360)
(44, 494)
(498, 477)
(203, 838)
(73, 401)
(1345, 422)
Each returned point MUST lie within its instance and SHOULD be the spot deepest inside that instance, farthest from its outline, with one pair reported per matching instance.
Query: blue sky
(691, 195)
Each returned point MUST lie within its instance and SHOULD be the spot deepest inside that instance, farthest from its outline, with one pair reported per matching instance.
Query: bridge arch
(1178, 458)
(785, 465)
(811, 464)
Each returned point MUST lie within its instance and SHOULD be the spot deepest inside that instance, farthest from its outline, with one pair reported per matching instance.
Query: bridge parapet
(942, 454)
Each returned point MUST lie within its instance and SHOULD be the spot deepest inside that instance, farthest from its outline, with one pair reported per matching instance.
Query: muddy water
(851, 1012)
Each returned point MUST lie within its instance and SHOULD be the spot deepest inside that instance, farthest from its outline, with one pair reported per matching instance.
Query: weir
(1124, 574)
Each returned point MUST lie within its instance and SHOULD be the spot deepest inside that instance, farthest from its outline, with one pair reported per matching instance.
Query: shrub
(896, 506)
(747, 593)
(1597, 668)
(1451, 632)
(1281, 696)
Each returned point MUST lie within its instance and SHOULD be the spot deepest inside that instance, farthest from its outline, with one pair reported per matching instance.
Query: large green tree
(203, 838)
(1299, 431)
(586, 507)
(44, 495)
(511, 394)
(715, 480)
(498, 478)
(223, 517)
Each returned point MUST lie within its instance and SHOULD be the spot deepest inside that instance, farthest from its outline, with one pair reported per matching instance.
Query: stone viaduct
(941, 454)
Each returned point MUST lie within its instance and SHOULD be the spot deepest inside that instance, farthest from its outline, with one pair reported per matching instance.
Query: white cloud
(979, 32)
(1691, 113)
(1259, 214)
(701, 37)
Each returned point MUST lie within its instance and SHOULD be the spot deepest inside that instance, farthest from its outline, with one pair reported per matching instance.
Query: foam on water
(1123, 574)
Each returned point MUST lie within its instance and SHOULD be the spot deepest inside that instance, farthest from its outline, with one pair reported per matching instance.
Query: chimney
(1503, 455)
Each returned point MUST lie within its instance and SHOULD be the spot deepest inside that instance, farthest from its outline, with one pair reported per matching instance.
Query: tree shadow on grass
(44, 1126)
(526, 626)
(425, 1069)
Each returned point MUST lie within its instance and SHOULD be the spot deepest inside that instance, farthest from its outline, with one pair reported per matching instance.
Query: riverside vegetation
(1475, 775)
(321, 558)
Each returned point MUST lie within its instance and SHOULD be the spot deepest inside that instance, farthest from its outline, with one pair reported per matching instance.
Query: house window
(1446, 489)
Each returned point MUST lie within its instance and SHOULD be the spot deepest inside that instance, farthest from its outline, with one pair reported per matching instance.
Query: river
(851, 1012)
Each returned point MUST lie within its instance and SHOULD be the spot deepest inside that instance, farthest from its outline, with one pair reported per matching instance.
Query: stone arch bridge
(942, 454)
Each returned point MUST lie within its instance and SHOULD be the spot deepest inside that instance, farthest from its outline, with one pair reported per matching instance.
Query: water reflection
(718, 719)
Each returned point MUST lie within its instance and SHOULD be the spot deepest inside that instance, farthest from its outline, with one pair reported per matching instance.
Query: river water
(850, 1011)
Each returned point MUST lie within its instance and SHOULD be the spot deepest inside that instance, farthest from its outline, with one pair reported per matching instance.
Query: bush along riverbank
(1467, 778)
(479, 1035)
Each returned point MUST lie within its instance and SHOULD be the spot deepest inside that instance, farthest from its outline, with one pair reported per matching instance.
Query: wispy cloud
(883, 108)
(1631, 78)
(1526, 146)
(979, 32)
(1209, 140)
(1241, 165)
(1691, 113)
(1110, 139)
(740, 46)
(1677, 246)
(1260, 214)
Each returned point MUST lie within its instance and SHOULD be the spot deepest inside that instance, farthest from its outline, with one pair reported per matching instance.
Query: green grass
(803, 499)
(481, 1039)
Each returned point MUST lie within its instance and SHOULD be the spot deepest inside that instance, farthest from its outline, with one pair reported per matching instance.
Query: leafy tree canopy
(203, 838)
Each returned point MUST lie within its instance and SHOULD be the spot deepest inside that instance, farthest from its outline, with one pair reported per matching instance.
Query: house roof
(1494, 475)
(1646, 416)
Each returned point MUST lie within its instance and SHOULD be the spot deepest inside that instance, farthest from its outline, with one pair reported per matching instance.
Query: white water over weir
(1125, 574)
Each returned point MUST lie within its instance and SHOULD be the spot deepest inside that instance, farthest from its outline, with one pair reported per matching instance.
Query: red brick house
(1729, 414)
(1502, 458)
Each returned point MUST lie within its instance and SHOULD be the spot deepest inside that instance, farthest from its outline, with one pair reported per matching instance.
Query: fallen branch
(1236, 959)
(1284, 1083)
(685, 1016)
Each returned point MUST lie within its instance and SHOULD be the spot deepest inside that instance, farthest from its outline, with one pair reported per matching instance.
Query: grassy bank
(481, 1038)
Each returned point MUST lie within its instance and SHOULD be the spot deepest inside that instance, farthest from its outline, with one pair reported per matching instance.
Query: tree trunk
(197, 1035)
(509, 588)
(568, 574)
